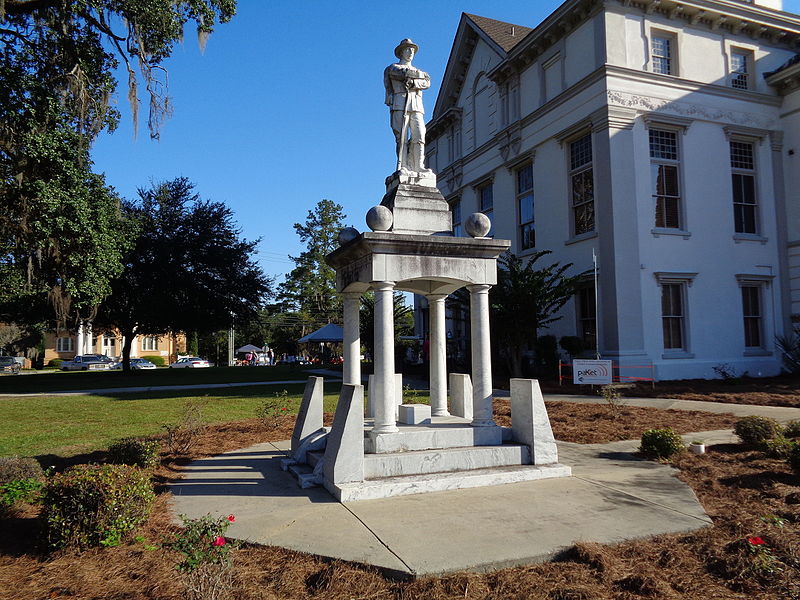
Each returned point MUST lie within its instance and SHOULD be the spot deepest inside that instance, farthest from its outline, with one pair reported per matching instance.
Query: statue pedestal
(418, 207)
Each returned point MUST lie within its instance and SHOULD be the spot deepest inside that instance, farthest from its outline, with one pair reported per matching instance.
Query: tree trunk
(127, 335)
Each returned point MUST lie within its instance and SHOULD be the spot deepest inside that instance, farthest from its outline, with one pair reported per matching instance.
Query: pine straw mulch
(745, 494)
(768, 391)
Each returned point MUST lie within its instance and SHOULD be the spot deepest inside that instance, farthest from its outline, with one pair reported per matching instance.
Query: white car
(190, 362)
(137, 364)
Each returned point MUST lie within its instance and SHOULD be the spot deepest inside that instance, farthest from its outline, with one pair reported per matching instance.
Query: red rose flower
(756, 541)
(231, 518)
(218, 541)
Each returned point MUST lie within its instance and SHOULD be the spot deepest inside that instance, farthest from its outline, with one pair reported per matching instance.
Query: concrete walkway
(611, 497)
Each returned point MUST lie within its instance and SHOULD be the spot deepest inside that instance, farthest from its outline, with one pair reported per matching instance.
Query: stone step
(439, 436)
(445, 460)
(373, 489)
(305, 475)
(314, 457)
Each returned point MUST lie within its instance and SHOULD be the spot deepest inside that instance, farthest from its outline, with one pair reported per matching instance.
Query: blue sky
(285, 107)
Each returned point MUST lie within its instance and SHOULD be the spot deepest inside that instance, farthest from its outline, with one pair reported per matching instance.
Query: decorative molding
(696, 111)
(776, 140)
(738, 131)
(522, 159)
(509, 141)
(682, 123)
(749, 279)
(666, 277)
(613, 117)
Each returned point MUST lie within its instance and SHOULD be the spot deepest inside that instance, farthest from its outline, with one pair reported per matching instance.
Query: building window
(65, 344)
(455, 209)
(745, 207)
(662, 50)
(149, 344)
(673, 317)
(741, 61)
(527, 228)
(109, 344)
(582, 184)
(665, 163)
(587, 316)
(751, 309)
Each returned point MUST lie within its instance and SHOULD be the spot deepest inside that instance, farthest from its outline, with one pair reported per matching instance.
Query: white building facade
(645, 133)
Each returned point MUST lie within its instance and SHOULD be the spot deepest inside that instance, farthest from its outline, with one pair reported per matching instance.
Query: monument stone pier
(410, 449)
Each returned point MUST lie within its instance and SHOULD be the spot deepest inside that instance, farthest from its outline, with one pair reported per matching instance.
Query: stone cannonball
(380, 218)
(478, 225)
(348, 234)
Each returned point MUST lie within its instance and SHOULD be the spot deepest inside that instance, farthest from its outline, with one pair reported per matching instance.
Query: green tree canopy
(61, 230)
(311, 286)
(526, 299)
(188, 270)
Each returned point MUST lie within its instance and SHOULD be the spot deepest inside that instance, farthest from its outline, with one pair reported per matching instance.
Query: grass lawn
(56, 381)
(69, 425)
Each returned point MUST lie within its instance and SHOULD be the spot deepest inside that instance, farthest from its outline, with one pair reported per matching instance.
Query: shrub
(792, 429)
(612, 397)
(55, 363)
(203, 541)
(778, 447)
(755, 430)
(272, 409)
(91, 505)
(157, 360)
(182, 435)
(134, 451)
(18, 491)
(572, 345)
(13, 468)
(661, 443)
(794, 459)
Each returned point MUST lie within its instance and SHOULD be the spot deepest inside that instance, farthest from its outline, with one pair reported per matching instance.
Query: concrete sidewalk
(611, 497)
(780, 413)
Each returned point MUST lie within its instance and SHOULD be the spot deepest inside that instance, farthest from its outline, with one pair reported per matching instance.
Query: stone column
(384, 400)
(352, 339)
(79, 343)
(438, 355)
(481, 356)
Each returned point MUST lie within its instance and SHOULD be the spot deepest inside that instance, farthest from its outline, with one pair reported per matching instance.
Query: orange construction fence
(617, 376)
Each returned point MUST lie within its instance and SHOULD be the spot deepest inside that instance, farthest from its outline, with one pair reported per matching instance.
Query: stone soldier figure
(404, 84)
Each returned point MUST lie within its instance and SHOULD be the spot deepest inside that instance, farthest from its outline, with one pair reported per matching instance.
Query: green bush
(792, 429)
(55, 363)
(203, 542)
(572, 345)
(18, 491)
(778, 447)
(13, 468)
(156, 359)
(794, 459)
(95, 505)
(134, 451)
(756, 430)
(661, 443)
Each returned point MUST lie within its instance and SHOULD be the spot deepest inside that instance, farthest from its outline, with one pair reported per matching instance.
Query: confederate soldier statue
(404, 84)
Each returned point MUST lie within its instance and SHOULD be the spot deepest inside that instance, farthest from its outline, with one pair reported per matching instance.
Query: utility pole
(231, 345)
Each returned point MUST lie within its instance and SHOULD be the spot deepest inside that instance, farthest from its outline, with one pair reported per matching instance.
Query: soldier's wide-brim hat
(406, 43)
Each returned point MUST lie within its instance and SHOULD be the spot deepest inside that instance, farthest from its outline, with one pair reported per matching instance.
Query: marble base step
(373, 489)
(422, 462)
(437, 436)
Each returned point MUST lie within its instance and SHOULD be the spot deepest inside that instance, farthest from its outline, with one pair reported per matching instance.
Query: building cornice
(787, 80)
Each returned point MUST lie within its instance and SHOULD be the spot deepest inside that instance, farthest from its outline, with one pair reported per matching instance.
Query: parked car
(137, 364)
(88, 362)
(190, 362)
(9, 364)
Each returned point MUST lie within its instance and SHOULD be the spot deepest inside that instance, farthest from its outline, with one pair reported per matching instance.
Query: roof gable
(499, 36)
